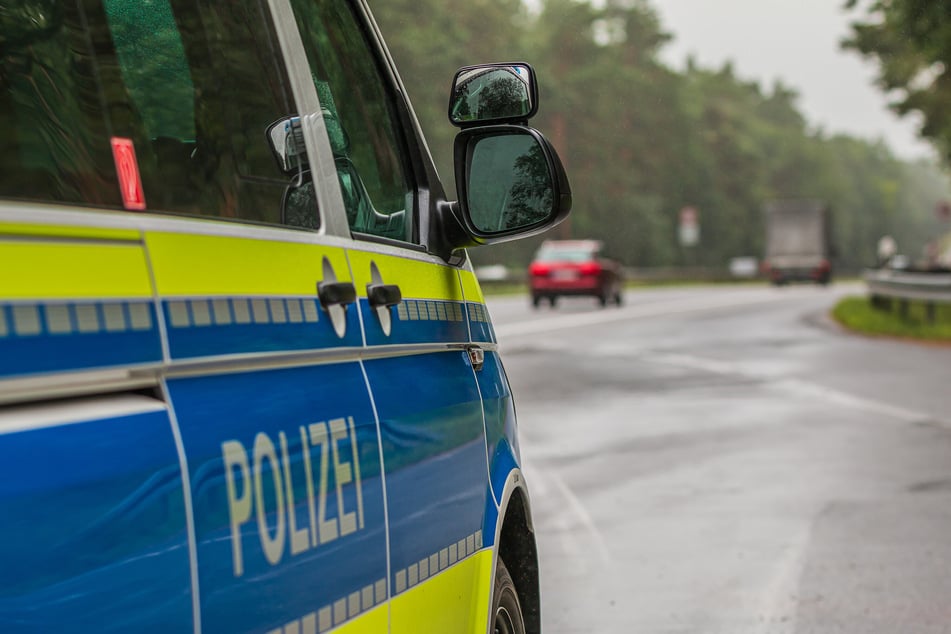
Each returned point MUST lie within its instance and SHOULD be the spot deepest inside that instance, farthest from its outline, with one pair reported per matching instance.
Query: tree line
(641, 141)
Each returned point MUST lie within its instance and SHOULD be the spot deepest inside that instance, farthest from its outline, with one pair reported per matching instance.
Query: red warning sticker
(127, 169)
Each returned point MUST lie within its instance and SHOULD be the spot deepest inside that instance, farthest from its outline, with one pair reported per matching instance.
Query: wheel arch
(515, 544)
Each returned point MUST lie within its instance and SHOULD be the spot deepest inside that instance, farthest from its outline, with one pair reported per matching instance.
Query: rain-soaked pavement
(728, 461)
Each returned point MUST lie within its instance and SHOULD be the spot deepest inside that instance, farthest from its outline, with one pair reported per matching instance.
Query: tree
(640, 141)
(911, 42)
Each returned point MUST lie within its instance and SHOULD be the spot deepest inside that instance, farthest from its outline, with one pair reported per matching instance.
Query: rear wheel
(536, 300)
(506, 610)
(553, 299)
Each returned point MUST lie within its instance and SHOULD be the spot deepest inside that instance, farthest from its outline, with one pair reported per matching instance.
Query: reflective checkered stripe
(480, 324)
(416, 573)
(432, 309)
(40, 337)
(74, 301)
(225, 295)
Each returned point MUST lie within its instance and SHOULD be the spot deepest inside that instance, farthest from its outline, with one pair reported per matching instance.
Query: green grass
(857, 313)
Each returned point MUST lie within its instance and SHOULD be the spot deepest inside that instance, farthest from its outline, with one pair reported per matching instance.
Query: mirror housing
(493, 93)
(511, 185)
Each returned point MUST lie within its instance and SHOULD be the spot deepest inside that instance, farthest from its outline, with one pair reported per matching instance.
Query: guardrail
(930, 288)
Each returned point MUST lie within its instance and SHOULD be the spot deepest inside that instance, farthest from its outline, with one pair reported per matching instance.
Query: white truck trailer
(798, 241)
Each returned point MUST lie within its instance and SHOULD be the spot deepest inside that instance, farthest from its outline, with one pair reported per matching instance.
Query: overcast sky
(798, 41)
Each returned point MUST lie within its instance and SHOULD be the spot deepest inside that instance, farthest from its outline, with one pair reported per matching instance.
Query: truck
(798, 241)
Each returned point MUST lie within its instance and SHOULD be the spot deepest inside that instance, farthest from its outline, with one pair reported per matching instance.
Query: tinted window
(192, 85)
(361, 119)
(565, 255)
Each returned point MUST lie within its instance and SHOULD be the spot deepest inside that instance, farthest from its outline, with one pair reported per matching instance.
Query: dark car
(574, 267)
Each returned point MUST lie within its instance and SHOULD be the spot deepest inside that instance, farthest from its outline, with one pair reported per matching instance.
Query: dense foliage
(911, 42)
(641, 141)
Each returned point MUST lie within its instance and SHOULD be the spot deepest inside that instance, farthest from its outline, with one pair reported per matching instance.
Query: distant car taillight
(590, 268)
(825, 266)
(538, 269)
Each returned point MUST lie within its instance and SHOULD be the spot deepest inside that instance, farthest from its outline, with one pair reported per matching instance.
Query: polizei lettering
(269, 481)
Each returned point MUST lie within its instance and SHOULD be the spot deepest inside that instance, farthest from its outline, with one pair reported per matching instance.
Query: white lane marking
(20, 418)
(798, 386)
(780, 598)
(674, 307)
(580, 513)
(855, 402)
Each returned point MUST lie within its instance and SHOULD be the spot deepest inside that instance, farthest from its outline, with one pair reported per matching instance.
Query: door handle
(383, 295)
(336, 294)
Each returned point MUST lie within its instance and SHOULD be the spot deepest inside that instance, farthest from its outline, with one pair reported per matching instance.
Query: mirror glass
(286, 138)
(491, 93)
(509, 183)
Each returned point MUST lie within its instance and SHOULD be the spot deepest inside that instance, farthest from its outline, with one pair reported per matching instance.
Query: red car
(574, 267)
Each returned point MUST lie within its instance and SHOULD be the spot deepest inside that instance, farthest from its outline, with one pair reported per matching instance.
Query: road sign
(689, 227)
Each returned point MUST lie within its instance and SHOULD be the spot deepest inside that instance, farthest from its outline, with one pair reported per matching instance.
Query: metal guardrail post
(886, 285)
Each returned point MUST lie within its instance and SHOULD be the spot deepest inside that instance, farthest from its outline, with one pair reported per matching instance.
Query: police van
(248, 381)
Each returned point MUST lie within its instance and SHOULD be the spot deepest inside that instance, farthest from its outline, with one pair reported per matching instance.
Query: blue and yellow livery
(248, 380)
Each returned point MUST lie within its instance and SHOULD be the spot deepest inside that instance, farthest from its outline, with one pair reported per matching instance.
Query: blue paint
(92, 536)
(500, 426)
(45, 351)
(237, 407)
(214, 339)
(433, 452)
(436, 327)
(481, 327)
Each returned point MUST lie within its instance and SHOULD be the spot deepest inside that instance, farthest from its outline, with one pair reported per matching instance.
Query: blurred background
(660, 105)
(725, 458)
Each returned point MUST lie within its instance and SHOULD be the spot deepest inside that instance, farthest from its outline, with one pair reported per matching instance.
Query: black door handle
(384, 295)
(336, 293)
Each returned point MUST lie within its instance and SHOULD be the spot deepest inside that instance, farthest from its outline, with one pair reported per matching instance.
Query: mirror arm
(447, 234)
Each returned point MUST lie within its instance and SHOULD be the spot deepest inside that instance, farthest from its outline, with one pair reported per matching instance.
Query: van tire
(506, 610)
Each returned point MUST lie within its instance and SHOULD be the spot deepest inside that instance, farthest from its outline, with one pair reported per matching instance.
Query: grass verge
(857, 313)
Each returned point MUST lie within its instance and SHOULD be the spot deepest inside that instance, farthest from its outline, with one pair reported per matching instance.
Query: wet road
(728, 461)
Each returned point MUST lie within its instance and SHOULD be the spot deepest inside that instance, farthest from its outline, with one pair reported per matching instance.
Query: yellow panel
(470, 286)
(417, 280)
(455, 600)
(187, 264)
(59, 270)
(97, 233)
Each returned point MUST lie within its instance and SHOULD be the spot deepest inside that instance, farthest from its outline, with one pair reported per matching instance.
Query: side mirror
(493, 93)
(511, 183)
(286, 138)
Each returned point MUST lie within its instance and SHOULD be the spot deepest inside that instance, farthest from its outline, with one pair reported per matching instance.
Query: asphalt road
(728, 461)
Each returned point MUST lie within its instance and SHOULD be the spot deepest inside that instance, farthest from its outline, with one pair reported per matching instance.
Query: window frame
(422, 180)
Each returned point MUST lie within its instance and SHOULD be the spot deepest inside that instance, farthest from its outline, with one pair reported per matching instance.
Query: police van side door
(417, 334)
(262, 341)
(91, 496)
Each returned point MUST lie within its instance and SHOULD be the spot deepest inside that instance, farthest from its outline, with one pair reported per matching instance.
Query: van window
(193, 85)
(361, 120)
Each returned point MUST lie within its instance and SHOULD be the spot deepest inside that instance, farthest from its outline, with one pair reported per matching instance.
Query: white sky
(798, 41)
